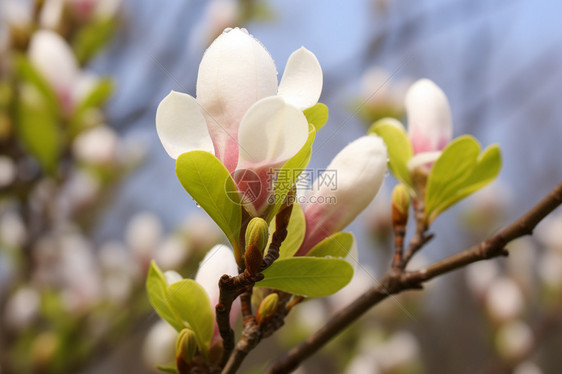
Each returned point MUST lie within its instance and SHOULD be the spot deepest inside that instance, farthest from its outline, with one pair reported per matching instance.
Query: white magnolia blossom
(504, 300)
(218, 261)
(97, 145)
(8, 170)
(527, 367)
(360, 169)
(480, 276)
(160, 344)
(513, 339)
(172, 252)
(219, 14)
(241, 115)
(143, 235)
(429, 121)
(22, 308)
(54, 60)
(12, 229)
(16, 13)
(84, 10)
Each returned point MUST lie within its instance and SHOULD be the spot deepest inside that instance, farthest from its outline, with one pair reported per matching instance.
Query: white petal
(422, 159)
(353, 179)
(429, 116)
(218, 261)
(54, 60)
(180, 125)
(272, 131)
(301, 84)
(51, 14)
(172, 276)
(235, 72)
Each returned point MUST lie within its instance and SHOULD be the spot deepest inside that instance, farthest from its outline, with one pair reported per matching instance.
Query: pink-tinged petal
(255, 186)
(180, 125)
(429, 117)
(358, 171)
(271, 132)
(54, 60)
(235, 72)
(301, 84)
(218, 261)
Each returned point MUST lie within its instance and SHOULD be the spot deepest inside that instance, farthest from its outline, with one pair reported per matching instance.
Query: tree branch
(395, 281)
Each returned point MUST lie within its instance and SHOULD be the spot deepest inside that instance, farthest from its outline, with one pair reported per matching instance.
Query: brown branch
(241, 285)
(395, 281)
(420, 237)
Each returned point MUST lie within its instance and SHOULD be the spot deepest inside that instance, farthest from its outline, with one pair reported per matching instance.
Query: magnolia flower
(218, 261)
(429, 122)
(83, 10)
(360, 169)
(159, 344)
(54, 60)
(504, 300)
(240, 114)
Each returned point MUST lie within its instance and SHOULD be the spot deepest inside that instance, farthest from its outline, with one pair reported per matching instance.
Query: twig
(394, 281)
(420, 237)
(241, 285)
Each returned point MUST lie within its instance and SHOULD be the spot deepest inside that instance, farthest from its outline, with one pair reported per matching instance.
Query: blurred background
(88, 196)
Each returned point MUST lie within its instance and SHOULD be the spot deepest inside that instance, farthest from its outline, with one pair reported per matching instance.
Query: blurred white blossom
(22, 308)
(514, 339)
(504, 300)
(97, 146)
(159, 344)
(7, 168)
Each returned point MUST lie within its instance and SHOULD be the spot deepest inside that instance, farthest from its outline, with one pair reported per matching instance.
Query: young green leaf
(157, 290)
(295, 232)
(317, 115)
(92, 37)
(450, 171)
(26, 71)
(190, 303)
(398, 146)
(337, 245)
(207, 180)
(96, 98)
(40, 132)
(169, 368)
(308, 276)
(291, 171)
(486, 170)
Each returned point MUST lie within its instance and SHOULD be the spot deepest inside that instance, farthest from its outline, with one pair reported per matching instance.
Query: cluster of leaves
(461, 169)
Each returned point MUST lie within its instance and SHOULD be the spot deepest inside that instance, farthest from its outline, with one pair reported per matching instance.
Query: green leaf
(190, 303)
(169, 368)
(27, 73)
(337, 245)
(450, 171)
(157, 290)
(317, 115)
(486, 170)
(308, 276)
(91, 38)
(208, 181)
(398, 146)
(96, 98)
(295, 232)
(40, 132)
(291, 171)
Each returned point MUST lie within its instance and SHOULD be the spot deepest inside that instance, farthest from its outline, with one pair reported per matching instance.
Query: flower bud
(257, 233)
(400, 205)
(186, 345)
(429, 117)
(267, 309)
(358, 170)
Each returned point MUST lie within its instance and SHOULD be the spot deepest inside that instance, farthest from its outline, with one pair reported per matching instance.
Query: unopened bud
(256, 240)
(257, 233)
(267, 309)
(400, 205)
(186, 345)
